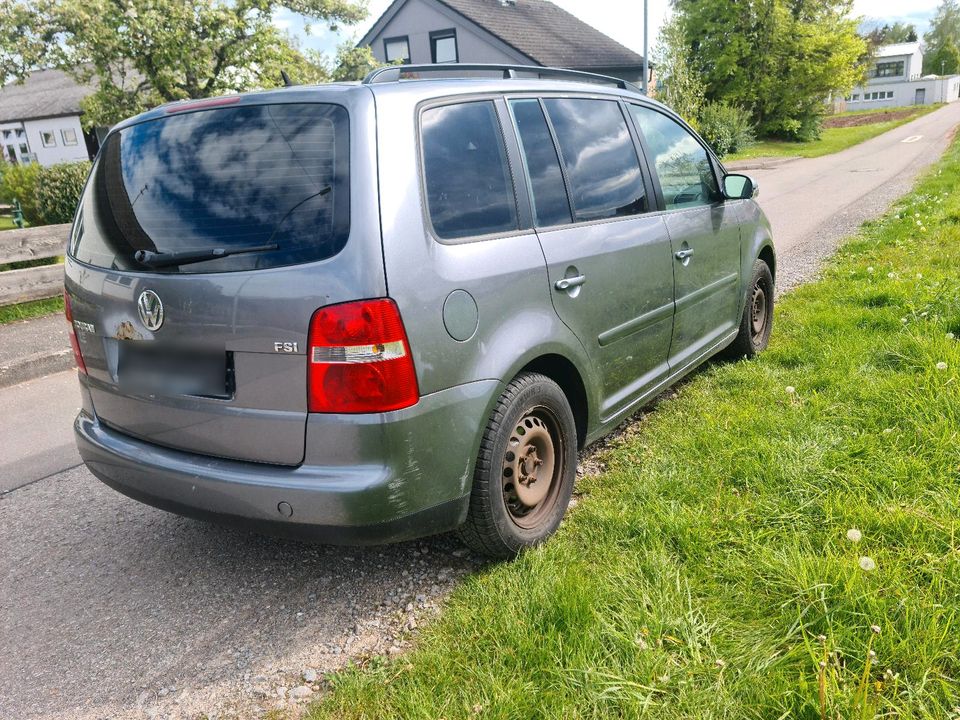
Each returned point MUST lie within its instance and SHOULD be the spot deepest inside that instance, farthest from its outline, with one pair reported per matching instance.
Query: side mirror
(740, 187)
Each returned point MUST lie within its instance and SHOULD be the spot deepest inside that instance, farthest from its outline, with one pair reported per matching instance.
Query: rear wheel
(525, 471)
(757, 319)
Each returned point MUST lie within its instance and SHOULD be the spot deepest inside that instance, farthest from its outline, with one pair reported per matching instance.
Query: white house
(896, 80)
(40, 120)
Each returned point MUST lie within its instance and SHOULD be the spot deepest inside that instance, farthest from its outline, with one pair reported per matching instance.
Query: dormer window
(443, 46)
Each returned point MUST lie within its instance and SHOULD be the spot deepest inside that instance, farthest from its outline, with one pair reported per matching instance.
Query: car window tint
(468, 182)
(550, 203)
(600, 158)
(683, 166)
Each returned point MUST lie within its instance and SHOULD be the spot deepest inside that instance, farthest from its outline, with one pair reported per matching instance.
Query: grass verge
(831, 140)
(27, 310)
(777, 540)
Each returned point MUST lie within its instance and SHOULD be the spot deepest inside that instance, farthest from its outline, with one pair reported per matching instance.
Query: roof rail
(393, 73)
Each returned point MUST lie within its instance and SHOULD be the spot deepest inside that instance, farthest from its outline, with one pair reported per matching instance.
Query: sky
(620, 19)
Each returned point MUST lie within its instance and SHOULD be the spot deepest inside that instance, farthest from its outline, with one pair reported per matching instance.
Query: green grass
(6, 223)
(697, 574)
(25, 311)
(831, 140)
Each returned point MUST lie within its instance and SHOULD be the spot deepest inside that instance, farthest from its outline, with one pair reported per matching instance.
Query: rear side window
(600, 158)
(683, 166)
(220, 180)
(550, 202)
(468, 182)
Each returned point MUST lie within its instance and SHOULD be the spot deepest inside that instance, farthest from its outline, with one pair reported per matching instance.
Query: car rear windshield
(236, 188)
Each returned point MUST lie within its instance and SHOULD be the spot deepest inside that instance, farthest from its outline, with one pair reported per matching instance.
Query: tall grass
(777, 540)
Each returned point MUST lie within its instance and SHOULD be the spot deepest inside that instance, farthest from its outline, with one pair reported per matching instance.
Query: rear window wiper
(186, 257)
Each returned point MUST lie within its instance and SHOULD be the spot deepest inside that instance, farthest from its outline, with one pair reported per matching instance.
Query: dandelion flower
(891, 275)
(875, 629)
(919, 276)
(790, 389)
(867, 564)
(941, 365)
(949, 336)
(887, 431)
(870, 269)
(854, 535)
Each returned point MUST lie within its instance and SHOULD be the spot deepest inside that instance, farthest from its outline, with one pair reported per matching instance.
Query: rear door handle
(571, 282)
(683, 254)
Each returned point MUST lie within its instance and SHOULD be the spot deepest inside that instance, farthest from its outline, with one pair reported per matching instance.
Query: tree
(779, 59)
(889, 34)
(140, 53)
(683, 89)
(943, 40)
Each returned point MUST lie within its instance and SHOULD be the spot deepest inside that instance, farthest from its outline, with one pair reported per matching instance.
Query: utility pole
(646, 47)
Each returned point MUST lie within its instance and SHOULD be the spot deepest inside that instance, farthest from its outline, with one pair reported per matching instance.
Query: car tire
(525, 469)
(756, 322)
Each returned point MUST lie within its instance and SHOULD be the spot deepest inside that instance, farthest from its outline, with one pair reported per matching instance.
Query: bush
(47, 195)
(19, 182)
(59, 190)
(726, 128)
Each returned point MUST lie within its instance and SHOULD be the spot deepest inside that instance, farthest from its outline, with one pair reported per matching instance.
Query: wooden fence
(33, 283)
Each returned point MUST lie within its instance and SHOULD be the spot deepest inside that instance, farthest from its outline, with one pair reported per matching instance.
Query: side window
(468, 182)
(683, 166)
(550, 203)
(600, 158)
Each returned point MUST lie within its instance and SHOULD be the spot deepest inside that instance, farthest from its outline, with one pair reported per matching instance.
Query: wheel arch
(565, 374)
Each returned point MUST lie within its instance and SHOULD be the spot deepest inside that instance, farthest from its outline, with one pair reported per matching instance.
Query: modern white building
(896, 80)
(40, 120)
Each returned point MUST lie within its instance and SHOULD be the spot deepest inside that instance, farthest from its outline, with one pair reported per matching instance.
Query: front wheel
(525, 471)
(756, 322)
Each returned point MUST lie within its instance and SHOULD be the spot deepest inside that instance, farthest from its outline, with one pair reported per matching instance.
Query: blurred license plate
(144, 368)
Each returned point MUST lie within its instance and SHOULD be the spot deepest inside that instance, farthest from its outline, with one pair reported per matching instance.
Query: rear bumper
(386, 478)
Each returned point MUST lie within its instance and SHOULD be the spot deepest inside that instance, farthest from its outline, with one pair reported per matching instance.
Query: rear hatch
(207, 236)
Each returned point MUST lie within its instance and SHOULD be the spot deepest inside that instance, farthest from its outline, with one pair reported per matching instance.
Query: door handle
(570, 283)
(683, 254)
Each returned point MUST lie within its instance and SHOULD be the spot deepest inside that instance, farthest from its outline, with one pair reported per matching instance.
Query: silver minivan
(377, 311)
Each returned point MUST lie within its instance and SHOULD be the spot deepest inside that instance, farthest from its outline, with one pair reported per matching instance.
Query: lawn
(779, 539)
(832, 139)
(6, 223)
(27, 310)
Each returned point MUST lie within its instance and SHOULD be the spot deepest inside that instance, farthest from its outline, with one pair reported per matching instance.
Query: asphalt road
(111, 609)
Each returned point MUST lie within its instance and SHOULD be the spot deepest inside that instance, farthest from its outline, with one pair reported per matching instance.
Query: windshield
(215, 182)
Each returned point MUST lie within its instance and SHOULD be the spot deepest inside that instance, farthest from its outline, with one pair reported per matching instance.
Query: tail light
(359, 359)
(68, 311)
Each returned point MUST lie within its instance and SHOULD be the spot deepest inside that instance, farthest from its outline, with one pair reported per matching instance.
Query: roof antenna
(287, 82)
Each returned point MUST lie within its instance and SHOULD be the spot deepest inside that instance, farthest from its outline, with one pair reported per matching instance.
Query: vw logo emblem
(151, 310)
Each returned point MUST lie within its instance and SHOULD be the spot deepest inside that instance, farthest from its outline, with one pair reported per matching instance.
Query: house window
(48, 138)
(856, 97)
(443, 46)
(69, 136)
(397, 49)
(889, 69)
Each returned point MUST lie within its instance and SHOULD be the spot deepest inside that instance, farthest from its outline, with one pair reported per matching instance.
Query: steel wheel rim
(532, 467)
(758, 311)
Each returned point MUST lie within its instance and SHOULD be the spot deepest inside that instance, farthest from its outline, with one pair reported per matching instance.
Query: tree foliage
(890, 34)
(942, 54)
(140, 53)
(681, 87)
(779, 59)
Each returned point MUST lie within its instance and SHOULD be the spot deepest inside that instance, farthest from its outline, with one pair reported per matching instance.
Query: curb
(36, 365)
(759, 163)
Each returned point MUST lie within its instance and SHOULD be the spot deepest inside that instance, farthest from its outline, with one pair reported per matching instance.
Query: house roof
(44, 93)
(896, 49)
(545, 33)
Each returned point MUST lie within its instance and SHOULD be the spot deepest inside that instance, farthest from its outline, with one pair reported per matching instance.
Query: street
(112, 609)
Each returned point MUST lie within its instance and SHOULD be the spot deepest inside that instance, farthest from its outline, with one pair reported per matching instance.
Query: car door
(608, 259)
(704, 235)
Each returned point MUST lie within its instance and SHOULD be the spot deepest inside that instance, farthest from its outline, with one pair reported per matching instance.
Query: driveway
(111, 609)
